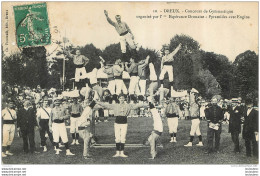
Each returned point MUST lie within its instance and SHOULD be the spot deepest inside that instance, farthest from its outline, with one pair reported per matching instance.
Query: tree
(11, 69)
(111, 53)
(245, 75)
(35, 64)
(221, 68)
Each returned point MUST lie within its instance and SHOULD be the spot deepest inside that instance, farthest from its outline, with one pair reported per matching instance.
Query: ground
(138, 130)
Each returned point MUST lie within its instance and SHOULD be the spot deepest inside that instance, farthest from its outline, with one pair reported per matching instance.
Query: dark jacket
(26, 119)
(214, 114)
(250, 125)
(235, 119)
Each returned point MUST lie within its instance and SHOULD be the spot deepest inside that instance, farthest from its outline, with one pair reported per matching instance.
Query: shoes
(123, 155)
(77, 142)
(173, 139)
(3, 155)
(117, 154)
(73, 142)
(200, 144)
(9, 153)
(106, 121)
(44, 149)
(57, 152)
(57, 149)
(188, 145)
(68, 153)
(153, 156)
(60, 145)
(87, 157)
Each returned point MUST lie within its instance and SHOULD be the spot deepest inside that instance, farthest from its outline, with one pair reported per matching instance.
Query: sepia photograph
(129, 83)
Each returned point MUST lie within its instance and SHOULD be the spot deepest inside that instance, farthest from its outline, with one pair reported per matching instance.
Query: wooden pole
(92, 129)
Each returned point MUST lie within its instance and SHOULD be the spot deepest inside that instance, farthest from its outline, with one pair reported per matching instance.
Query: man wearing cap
(235, 123)
(76, 110)
(27, 123)
(215, 116)
(125, 33)
(166, 65)
(121, 111)
(43, 117)
(250, 129)
(57, 125)
(9, 118)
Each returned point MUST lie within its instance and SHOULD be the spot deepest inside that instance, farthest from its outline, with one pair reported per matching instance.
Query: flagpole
(63, 75)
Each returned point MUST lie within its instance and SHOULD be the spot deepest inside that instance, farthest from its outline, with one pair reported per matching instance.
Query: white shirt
(7, 116)
(157, 121)
(42, 114)
(248, 111)
(82, 120)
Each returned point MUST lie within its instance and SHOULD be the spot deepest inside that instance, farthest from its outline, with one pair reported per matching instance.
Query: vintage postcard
(171, 83)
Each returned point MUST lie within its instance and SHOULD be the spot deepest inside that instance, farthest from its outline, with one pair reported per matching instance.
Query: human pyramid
(114, 100)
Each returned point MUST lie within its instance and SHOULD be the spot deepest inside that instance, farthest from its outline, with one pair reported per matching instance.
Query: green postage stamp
(32, 25)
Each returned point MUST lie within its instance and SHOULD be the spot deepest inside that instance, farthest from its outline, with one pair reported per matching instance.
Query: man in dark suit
(235, 112)
(250, 129)
(26, 123)
(215, 116)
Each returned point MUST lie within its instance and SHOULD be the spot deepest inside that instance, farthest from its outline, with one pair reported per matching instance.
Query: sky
(84, 23)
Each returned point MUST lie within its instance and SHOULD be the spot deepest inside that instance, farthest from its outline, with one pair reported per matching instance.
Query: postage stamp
(32, 25)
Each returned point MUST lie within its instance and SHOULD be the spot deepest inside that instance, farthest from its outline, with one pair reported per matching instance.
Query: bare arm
(104, 105)
(108, 19)
(170, 56)
(136, 106)
(128, 29)
(129, 69)
(108, 70)
(66, 115)
(119, 69)
(86, 60)
(144, 63)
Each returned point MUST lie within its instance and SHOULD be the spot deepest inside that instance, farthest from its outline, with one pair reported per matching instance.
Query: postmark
(32, 25)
